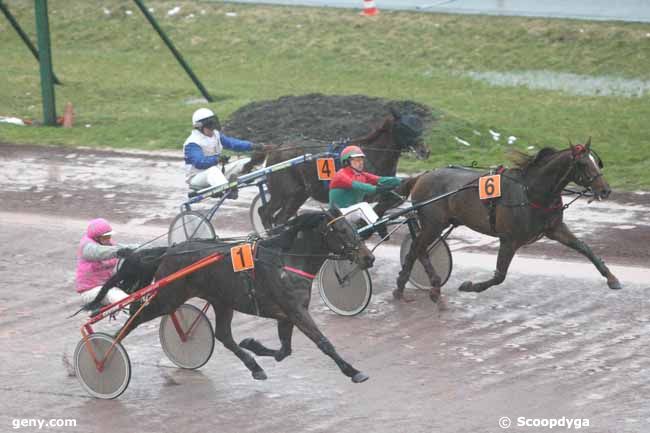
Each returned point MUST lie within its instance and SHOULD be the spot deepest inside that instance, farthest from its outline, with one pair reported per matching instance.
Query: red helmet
(351, 152)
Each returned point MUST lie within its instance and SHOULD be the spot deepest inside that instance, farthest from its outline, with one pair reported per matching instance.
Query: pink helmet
(99, 227)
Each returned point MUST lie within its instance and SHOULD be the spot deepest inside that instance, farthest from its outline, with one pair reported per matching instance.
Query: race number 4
(326, 168)
(489, 187)
(242, 258)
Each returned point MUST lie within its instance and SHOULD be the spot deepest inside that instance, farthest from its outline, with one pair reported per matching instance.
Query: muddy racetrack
(552, 341)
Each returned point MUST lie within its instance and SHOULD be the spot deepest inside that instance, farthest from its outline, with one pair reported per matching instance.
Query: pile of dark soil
(316, 116)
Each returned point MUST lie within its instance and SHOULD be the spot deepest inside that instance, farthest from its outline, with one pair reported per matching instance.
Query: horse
(530, 207)
(289, 189)
(278, 288)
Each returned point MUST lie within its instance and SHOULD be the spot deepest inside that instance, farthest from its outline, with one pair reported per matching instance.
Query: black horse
(530, 207)
(278, 288)
(289, 189)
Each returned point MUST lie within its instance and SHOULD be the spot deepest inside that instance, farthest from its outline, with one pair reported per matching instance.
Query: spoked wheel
(101, 375)
(186, 337)
(440, 257)
(344, 287)
(189, 225)
(254, 212)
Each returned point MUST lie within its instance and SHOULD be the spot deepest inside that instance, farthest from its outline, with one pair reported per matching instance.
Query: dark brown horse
(279, 287)
(530, 207)
(289, 189)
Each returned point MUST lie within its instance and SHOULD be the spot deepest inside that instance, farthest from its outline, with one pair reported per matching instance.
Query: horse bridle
(347, 249)
(578, 152)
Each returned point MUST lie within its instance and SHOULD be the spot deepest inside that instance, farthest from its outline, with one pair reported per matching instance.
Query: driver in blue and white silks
(203, 148)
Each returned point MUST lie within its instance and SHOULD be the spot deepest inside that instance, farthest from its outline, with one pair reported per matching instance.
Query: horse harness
(556, 205)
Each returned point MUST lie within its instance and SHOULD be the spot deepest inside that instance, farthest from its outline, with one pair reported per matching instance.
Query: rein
(556, 191)
(299, 272)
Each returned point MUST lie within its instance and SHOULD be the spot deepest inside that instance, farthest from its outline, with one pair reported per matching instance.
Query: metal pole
(23, 35)
(47, 87)
(173, 49)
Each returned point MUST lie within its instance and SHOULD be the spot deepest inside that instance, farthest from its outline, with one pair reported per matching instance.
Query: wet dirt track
(553, 341)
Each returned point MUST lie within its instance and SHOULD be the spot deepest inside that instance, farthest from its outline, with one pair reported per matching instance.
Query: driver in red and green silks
(351, 184)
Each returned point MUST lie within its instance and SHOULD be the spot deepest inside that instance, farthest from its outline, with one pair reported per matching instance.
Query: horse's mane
(283, 237)
(524, 161)
(385, 125)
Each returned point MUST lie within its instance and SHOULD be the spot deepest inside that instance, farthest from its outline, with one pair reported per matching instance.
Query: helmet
(99, 227)
(351, 152)
(204, 117)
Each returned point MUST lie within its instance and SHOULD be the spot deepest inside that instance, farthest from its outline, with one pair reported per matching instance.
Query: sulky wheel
(102, 376)
(254, 214)
(440, 257)
(344, 287)
(189, 225)
(186, 337)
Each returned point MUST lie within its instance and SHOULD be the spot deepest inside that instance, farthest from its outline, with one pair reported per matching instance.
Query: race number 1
(325, 168)
(489, 187)
(242, 258)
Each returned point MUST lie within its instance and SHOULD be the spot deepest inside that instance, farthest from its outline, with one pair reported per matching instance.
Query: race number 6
(489, 187)
(325, 167)
(242, 258)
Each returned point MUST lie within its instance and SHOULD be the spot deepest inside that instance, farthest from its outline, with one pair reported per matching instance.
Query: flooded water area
(572, 84)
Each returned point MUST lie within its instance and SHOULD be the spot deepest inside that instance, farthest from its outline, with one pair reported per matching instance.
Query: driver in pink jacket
(97, 257)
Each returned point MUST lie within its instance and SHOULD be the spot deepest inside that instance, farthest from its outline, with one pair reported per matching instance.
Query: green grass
(126, 85)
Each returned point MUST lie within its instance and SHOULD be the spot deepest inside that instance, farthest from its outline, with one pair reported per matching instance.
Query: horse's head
(342, 239)
(407, 133)
(588, 170)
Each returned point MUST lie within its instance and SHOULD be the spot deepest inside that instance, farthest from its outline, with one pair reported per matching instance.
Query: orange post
(369, 8)
(68, 115)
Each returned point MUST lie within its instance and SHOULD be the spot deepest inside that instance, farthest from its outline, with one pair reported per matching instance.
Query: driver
(97, 256)
(351, 184)
(202, 150)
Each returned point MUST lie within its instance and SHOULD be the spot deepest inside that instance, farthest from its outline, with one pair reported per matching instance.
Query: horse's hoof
(281, 355)
(360, 377)
(466, 287)
(400, 296)
(434, 295)
(259, 375)
(614, 285)
(246, 343)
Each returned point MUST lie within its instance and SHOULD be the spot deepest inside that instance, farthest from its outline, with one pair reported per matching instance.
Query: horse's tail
(136, 271)
(405, 187)
(108, 285)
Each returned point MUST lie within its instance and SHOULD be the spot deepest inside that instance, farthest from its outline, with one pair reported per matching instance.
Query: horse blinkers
(407, 131)
(345, 241)
(582, 156)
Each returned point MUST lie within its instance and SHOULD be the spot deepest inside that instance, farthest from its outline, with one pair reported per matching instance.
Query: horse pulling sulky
(265, 277)
(518, 205)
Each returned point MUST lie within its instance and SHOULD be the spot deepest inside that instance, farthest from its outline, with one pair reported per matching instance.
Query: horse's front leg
(563, 235)
(434, 278)
(285, 331)
(301, 318)
(507, 249)
(223, 333)
(419, 251)
(386, 202)
(291, 206)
